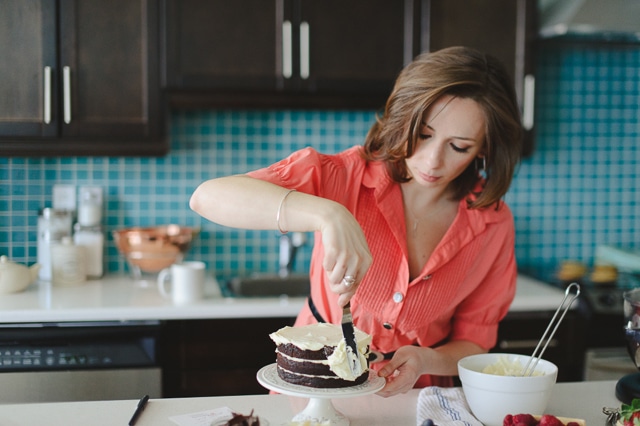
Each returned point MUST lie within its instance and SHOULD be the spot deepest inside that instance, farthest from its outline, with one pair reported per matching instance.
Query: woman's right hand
(346, 253)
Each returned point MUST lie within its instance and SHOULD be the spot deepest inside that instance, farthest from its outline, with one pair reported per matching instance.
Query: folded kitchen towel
(445, 406)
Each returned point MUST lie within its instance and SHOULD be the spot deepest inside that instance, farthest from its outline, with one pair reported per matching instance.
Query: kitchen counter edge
(119, 298)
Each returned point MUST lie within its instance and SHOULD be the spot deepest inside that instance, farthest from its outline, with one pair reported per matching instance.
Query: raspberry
(508, 420)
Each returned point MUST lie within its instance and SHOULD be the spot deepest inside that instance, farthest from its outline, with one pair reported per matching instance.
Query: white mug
(187, 282)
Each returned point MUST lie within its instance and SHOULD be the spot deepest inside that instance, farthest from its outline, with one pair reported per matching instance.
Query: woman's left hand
(411, 362)
(403, 371)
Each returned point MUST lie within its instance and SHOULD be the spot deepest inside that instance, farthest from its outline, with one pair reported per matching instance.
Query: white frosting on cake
(314, 337)
(338, 360)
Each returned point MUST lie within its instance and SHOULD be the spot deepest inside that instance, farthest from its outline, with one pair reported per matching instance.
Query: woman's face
(451, 136)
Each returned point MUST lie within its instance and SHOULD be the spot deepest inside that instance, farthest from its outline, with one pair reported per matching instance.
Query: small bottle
(68, 263)
(88, 232)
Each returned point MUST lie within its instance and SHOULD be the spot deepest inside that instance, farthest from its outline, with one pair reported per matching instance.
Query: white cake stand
(319, 409)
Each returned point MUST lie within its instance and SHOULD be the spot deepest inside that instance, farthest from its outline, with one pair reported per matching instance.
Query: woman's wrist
(279, 212)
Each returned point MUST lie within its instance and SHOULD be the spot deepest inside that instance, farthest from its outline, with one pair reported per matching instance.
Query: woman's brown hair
(461, 72)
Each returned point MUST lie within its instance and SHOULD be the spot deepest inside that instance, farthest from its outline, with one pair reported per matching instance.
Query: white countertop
(534, 295)
(582, 400)
(120, 298)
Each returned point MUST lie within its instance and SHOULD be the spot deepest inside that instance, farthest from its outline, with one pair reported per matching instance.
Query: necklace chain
(417, 220)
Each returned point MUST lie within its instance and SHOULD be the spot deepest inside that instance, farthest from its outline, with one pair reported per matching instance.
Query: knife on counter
(349, 334)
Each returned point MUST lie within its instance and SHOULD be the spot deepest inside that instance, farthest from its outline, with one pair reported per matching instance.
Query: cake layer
(294, 351)
(302, 366)
(319, 381)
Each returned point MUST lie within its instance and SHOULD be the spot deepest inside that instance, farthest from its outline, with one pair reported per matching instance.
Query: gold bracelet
(280, 209)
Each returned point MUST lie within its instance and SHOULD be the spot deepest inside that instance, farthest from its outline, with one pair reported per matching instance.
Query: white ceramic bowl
(491, 397)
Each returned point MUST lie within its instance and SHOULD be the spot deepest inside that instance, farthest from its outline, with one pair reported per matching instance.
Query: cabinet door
(216, 357)
(520, 332)
(222, 44)
(504, 28)
(28, 51)
(355, 46)
(109, 68)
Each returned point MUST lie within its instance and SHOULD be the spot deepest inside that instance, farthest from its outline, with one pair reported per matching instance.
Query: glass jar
(53, 225)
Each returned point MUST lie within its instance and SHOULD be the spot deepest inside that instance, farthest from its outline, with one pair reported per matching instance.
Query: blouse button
(387, 325)
(426, 277)
(398, 297)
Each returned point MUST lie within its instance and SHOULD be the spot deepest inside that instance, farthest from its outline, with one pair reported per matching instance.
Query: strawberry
(525, 419)
(549, 420)
(630, 414)
(632, 420)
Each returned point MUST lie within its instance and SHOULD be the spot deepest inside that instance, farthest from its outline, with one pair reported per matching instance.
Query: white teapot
(15, 277)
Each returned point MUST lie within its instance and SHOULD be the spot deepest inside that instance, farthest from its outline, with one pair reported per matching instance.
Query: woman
(410, 228)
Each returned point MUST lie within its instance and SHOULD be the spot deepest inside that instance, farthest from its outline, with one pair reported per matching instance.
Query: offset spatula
(349, 334)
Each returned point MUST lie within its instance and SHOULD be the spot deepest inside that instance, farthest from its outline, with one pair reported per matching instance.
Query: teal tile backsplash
(577, 190)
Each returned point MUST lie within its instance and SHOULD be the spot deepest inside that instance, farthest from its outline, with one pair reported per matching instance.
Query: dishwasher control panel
(70, 346)
(73, 356)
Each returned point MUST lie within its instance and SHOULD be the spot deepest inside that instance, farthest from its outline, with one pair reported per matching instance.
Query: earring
(482, 171)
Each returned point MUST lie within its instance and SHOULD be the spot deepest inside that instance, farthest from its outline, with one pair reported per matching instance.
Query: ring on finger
(348, 280)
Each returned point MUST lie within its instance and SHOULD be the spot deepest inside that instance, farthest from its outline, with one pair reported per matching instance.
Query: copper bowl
(152, 249)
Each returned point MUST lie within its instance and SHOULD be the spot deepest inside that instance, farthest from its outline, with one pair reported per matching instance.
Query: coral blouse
(464, 289)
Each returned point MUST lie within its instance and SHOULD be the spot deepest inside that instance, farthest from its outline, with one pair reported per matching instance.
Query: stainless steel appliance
(607, 364)
(79, 361)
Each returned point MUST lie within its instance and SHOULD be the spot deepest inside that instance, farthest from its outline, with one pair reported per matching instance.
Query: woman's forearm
(245, 202)
(241, 201)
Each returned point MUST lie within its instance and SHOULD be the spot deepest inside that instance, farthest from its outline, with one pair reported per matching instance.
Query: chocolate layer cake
(315, 356)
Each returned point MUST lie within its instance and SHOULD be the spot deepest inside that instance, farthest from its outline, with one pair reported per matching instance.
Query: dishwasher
(79, 361)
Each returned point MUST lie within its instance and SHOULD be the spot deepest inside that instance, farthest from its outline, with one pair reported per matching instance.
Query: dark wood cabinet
(217, 357)
(279, 52)
(505, 28)
(520, 332)
(353, 46)
(214, 357)
(89, 77)
(332, 53)
(223, 45)
(28, 49)
(85, 79)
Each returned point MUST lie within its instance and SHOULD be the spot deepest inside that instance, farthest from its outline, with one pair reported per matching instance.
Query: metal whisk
(535, 357)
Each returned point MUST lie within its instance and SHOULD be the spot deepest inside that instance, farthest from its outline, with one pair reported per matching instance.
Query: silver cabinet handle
(287, 50)
(66, 93)
(528, 104)
(47, 95)
(304, 50)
